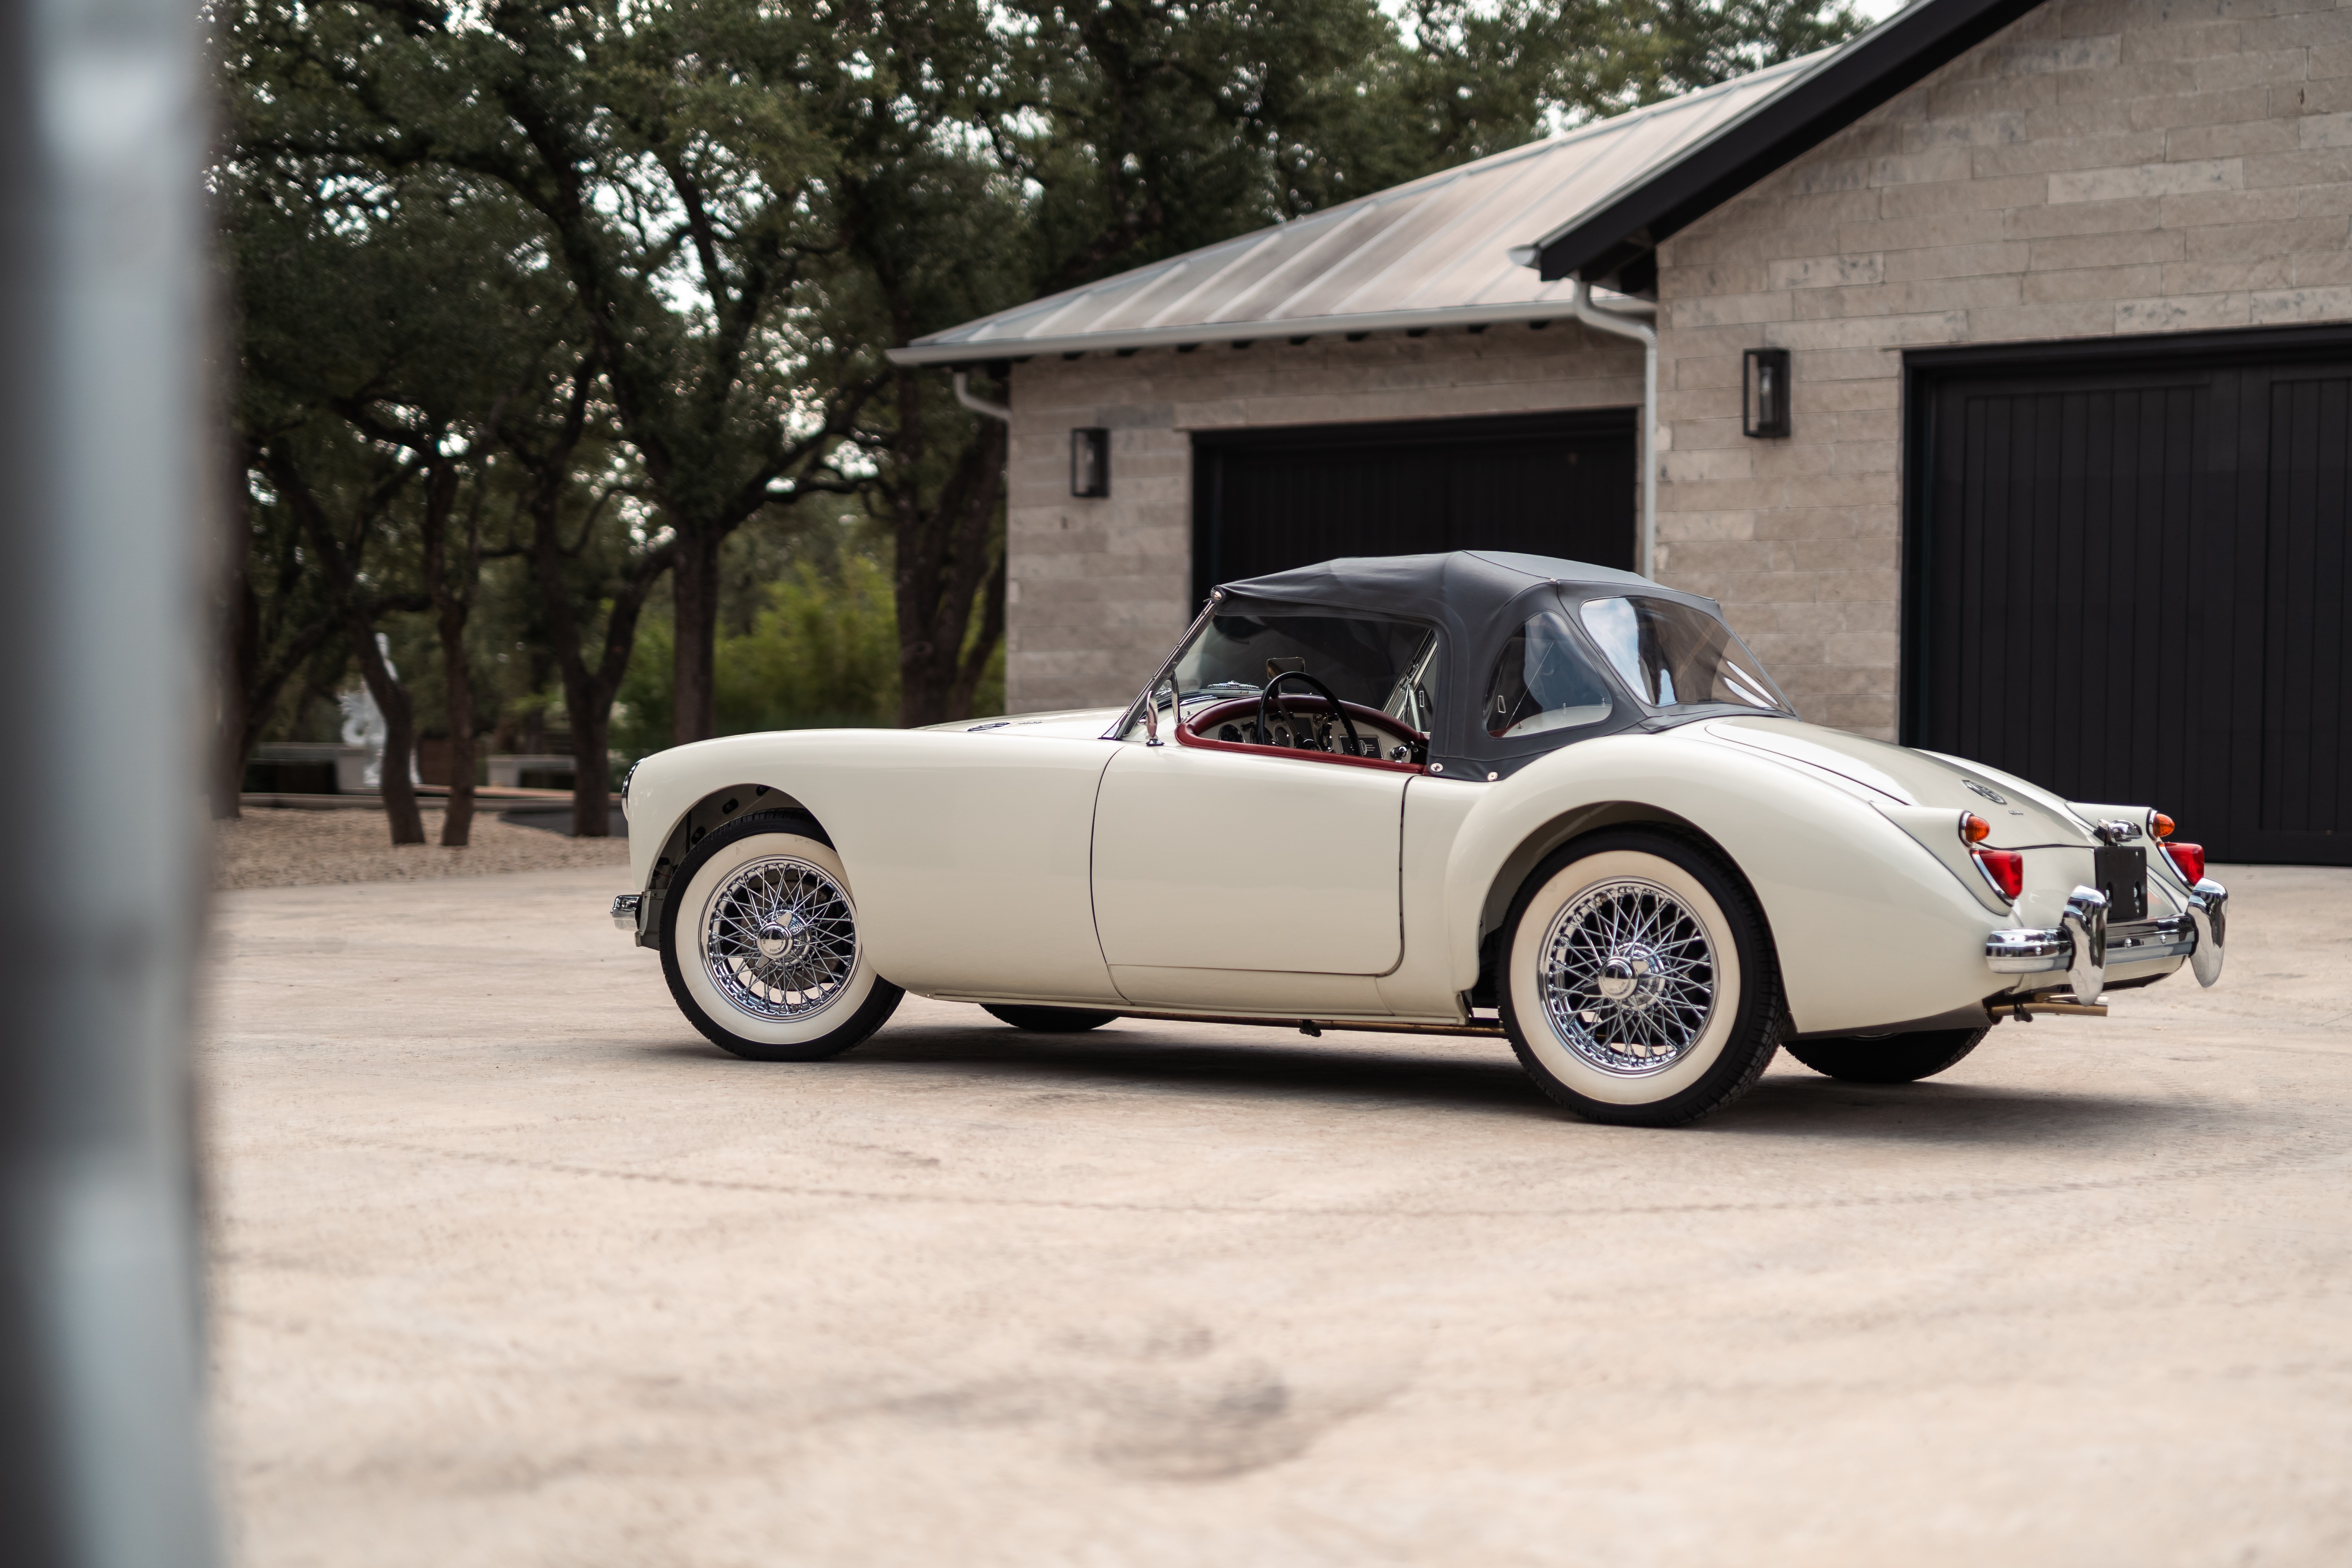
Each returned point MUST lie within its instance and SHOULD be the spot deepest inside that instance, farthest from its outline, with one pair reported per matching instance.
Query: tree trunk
(235, 678)
(592, 772)
(229, 755)
(240, 654)
(245, 711)
(400, 736)
(588, 693)
(992, 632)
(458, 820)
(694, 601)
(453, 599)
(944, 568)
(588, 701)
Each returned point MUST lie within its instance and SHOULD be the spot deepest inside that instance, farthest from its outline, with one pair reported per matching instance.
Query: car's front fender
(967, 854)
(1872, 929)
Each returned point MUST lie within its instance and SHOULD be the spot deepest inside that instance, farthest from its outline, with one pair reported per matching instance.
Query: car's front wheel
(759, 945)
(1890, 1059)
(1640, 984)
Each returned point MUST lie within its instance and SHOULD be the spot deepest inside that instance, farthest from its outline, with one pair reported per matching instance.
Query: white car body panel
(1422, 987)
(1252, 991)
(1032, 859)
(967, 857)
(1222, 860)
(1870, 928)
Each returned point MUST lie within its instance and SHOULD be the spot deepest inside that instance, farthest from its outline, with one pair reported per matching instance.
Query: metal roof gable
(1828, 92)
(1452, 248)
(1434, 252)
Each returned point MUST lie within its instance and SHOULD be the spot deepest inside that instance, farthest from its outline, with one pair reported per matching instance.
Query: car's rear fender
(1870, 928)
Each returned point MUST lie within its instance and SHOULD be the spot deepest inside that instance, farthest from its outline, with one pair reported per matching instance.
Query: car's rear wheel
(1640, 985)
(759, 945)
(1049, 1020)
(1889, 1058)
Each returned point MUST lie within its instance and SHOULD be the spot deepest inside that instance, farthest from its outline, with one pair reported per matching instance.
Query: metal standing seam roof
(1438, 251)
(1500, 239)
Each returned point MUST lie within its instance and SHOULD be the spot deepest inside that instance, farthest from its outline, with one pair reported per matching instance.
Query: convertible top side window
(1675, 656)
(1544, 681)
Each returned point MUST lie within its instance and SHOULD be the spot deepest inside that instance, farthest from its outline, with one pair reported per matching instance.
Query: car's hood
(1071, 724)
(2021, 813)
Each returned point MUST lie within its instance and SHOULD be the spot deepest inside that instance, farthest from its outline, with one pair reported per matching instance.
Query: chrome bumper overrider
(625, 910)
(2209, 913)
(2086, 946)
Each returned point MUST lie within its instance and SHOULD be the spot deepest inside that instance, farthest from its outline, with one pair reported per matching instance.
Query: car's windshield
(1675, 656)
(1365, 660)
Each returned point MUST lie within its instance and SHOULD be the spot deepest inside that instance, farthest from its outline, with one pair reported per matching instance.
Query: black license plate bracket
(2121, 873)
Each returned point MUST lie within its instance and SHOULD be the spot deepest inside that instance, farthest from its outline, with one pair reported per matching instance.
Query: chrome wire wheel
(1627, 977)
(780, 939)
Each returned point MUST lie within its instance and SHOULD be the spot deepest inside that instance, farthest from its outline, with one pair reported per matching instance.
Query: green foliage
(1133, 131)
(822, 653)
(641, 716)
(629, 269)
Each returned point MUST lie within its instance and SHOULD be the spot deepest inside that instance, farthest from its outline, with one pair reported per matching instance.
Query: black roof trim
(2289, 341)
(1807, 111)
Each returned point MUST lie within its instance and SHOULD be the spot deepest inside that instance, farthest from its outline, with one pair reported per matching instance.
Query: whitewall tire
(1639, 983)
(760, 947)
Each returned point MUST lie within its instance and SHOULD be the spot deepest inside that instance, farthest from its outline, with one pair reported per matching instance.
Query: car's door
(1218, 871)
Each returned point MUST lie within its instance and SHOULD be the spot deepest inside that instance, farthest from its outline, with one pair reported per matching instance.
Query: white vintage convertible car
(1472, 794)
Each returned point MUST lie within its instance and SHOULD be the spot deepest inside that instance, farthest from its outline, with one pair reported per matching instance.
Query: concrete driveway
(512, 1269)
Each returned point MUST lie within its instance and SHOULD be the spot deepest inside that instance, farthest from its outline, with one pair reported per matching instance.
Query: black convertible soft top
(1476, 599)
(1464, 591)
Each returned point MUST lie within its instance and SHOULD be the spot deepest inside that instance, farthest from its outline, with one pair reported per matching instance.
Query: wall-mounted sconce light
(1090, 462)
(1764, 392)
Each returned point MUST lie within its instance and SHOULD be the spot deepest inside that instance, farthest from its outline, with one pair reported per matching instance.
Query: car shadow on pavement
(1788, 1104)
(1482, 1077)
(1472, 1075)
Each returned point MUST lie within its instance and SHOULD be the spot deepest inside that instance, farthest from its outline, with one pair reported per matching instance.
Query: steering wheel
(1265, 733)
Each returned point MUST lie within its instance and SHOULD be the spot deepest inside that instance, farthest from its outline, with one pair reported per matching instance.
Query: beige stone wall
(2102, 167)
(1098, 590)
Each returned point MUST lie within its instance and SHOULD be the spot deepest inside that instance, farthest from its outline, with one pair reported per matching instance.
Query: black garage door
(2127, 580)
(1552, 484)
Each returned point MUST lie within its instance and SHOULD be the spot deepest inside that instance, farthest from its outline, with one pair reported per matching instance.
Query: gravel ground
(291, 848)
(512, 1269)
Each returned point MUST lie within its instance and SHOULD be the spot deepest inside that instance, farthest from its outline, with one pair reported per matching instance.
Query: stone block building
(2003, 397)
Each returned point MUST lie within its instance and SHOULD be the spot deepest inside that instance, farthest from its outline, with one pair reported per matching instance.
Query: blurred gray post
(102, 555)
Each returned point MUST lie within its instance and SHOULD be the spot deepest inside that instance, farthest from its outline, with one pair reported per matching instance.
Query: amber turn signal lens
(2159, 825)
(1974, 829)
(2004, 868)
(2189, 860)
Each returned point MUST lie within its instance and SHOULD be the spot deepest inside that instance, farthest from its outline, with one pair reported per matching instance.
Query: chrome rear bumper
(2198, 936)
(2028, 950)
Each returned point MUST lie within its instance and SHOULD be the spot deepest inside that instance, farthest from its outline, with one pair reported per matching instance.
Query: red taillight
(2004, 868)
(2189, 860)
